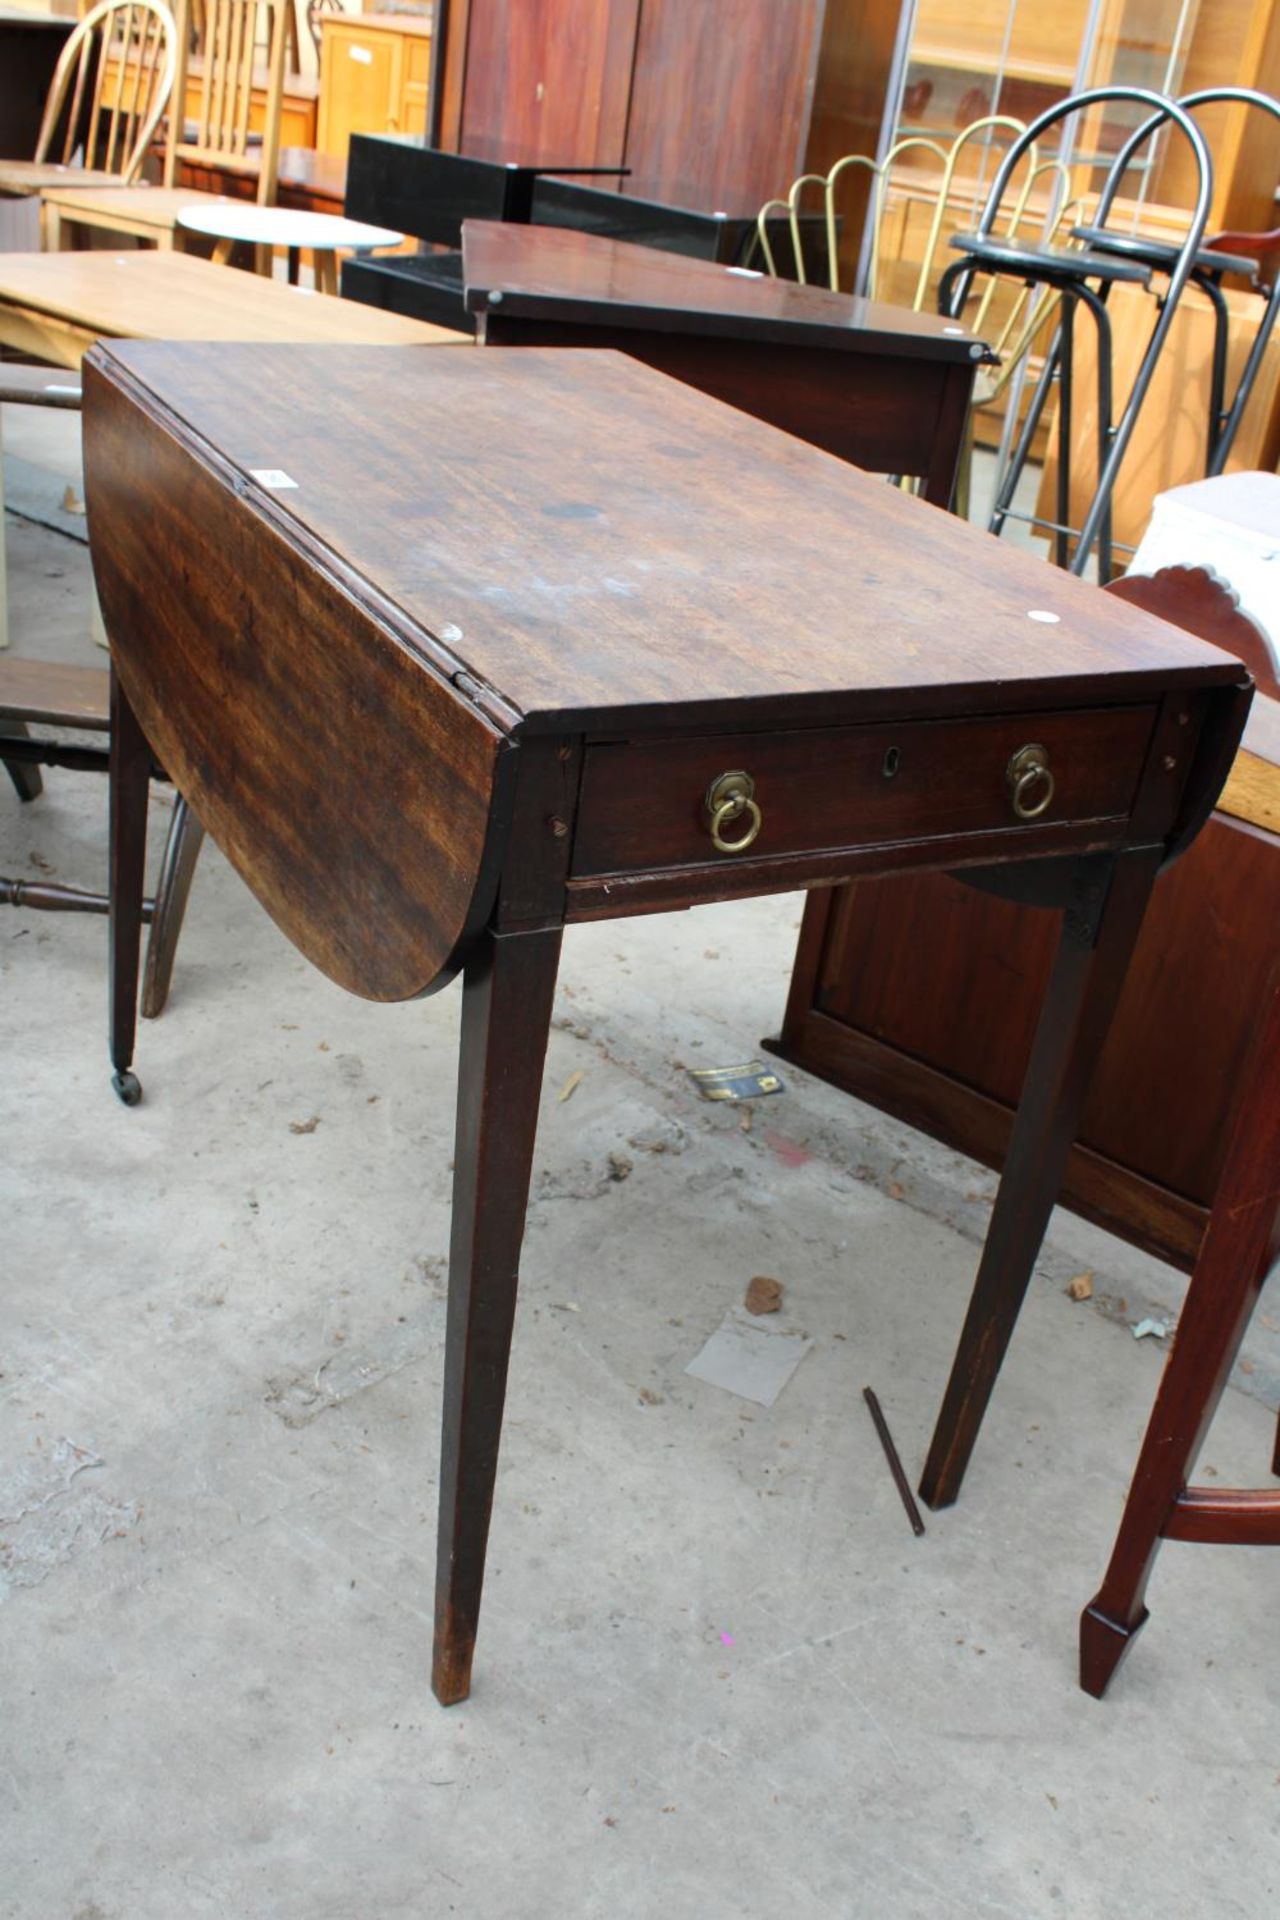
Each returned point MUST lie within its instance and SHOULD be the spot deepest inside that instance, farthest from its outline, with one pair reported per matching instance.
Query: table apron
(45, 336)
(610, 896)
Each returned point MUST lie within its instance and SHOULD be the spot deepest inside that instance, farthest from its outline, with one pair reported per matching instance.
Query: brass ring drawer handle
(1031, 784)
(729, 797)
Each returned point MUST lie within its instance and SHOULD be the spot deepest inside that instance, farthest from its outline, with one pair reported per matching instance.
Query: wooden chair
(1240, 1247)
(77, 699)
(112, 83)
(235, 33)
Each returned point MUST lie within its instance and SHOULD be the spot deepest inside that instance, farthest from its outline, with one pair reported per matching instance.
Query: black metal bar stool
(1212, 262)
(1082, 279)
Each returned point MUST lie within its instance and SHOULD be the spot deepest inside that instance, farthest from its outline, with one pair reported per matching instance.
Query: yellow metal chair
(957, 202)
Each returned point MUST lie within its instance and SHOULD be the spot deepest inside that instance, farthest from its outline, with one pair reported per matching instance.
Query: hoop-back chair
(235, 33)
(218, 136)
(112, 83)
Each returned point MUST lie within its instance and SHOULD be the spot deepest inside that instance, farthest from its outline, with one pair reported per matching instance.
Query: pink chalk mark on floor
(790, 1152)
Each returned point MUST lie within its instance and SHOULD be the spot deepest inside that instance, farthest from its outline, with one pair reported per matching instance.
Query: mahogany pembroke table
(448, 650)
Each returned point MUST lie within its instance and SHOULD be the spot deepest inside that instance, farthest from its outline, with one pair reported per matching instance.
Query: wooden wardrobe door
(720, 100)
(548, 80)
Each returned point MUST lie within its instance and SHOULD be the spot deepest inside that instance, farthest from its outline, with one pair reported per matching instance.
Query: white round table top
(283, 227)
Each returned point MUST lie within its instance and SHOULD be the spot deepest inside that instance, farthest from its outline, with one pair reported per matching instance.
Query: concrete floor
(717, 1676)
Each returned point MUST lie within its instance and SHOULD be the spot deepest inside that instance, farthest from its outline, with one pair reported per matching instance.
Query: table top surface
(45, 176)
(557, 273)
(149, 295)
(283, 226)
(588, 539)
(139, 201)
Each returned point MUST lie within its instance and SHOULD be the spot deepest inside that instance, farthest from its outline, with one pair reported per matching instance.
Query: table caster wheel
(128, 1086)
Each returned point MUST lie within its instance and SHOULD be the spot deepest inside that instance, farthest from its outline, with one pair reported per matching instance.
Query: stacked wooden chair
(110, 89)
(242, 39)
(39, 695)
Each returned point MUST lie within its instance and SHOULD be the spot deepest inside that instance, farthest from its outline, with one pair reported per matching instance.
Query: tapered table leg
(1240, 1245)
(506, 1015)
(182, 850)
(1088, 974)
(130, 779)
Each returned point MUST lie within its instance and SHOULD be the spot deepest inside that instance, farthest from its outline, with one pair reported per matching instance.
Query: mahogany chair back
(110, 87)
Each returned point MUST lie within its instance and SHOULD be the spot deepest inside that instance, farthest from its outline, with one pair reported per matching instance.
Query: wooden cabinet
(375, 71)
(717, 105)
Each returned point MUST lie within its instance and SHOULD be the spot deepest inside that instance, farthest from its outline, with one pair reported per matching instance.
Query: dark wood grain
(889, 415)
(547, 82)
(696, 70)
(719, 106)
(411, 693)
(883, 387)
(506, 1016)
(559, 274)
(643, 805)
(1095, 942)
(555, 552)
(375, 881)
(1241, 1245)
(130, 787)
(922, 998)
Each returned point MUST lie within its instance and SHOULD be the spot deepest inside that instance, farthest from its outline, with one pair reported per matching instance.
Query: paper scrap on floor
(747, 1356)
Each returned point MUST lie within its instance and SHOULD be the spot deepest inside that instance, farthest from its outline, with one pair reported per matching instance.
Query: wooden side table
(506, 641)
(882, 386)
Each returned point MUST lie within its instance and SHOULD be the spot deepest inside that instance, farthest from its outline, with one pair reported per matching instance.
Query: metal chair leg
(1244, 386)
(1066, 379)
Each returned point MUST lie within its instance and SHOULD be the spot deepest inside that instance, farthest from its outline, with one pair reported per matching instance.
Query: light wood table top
(141, 206)
(56, 305)
(284, 227)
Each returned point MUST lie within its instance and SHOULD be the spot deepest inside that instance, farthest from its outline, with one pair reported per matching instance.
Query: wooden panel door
(548, 81)
(721, 97)
(360, 78)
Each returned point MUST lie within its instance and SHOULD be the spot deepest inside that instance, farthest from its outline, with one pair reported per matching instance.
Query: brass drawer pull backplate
(1031, 784)
(729, 797)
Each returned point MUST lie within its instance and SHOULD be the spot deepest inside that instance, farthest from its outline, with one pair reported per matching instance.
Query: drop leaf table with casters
(451, 650)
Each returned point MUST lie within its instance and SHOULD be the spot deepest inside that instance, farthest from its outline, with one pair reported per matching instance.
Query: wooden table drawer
(644, 803)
